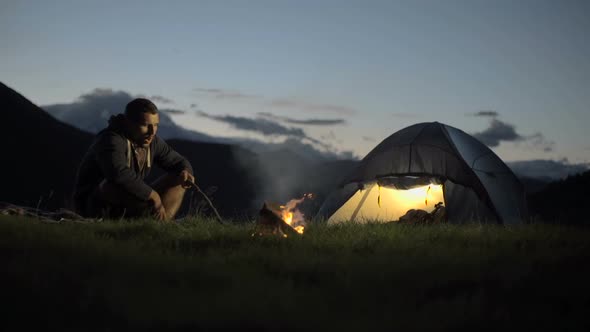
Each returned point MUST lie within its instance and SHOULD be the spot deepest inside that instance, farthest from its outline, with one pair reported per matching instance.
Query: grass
(201, 275)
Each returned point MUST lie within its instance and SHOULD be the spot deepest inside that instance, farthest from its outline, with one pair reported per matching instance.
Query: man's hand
(186, 178)
(160, 213)
(157, 207)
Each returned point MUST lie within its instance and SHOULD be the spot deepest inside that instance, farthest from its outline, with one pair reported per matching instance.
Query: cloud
(497, 132)
(368, 139)
(91, 111)
(173, 111)
(548, 169)
(539, 141)
(311, 122)
(485, 113)
(312, 107)
(223, 94)
(156, 99)
(330, 136)
(263, 126)
(291, 103)
(160, 99)
(500, 131)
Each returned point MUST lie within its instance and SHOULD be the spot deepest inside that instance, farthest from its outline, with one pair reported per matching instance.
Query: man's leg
(120, 202)
(171, 193)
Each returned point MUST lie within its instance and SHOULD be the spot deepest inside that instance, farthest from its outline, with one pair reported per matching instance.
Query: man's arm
(170, 160)
(110, 153)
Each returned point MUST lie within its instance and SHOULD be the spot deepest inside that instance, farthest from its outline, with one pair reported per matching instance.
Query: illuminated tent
(424, 164)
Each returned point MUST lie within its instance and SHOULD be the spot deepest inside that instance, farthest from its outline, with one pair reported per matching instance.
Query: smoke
(284, 173)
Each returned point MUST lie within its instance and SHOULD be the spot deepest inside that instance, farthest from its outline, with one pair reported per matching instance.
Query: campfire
(275, 219)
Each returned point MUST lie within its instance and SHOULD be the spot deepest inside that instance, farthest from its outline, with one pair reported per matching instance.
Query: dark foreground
(200, 275)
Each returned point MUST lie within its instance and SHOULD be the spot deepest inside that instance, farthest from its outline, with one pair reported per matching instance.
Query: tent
(422, 165)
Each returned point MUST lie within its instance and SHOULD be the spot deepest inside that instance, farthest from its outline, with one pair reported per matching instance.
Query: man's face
(143, 129)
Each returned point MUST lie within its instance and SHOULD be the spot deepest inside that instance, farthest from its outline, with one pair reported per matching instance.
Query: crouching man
(110, 179)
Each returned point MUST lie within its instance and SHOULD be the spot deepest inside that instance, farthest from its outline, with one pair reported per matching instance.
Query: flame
(288, 217)
(292, 216)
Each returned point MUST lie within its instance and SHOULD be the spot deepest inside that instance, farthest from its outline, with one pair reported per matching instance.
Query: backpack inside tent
(422, 165)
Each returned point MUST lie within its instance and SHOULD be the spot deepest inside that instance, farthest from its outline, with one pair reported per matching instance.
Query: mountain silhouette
(41, 154)
(563, 201)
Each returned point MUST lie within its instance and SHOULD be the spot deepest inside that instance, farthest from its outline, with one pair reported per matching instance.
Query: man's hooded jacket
(111, 156)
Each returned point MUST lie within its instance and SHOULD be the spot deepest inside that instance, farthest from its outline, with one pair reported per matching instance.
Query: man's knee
(168, 182)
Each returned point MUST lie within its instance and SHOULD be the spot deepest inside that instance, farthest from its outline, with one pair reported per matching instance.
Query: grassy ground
(144, 275)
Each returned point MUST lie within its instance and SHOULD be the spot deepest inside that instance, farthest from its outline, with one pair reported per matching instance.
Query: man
(110, 179)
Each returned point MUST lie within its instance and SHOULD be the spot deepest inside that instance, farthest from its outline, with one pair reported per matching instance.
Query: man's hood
(117, 123)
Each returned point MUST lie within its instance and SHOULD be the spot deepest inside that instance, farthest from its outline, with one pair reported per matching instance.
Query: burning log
(279, 220)
(269, 222)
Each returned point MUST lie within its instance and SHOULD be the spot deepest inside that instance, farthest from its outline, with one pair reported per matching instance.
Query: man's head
(142, 121)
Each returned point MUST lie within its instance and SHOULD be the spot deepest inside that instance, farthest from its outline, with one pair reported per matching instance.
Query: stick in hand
(194, 185)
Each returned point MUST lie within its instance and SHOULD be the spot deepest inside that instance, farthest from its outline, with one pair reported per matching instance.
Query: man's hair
(137, 106)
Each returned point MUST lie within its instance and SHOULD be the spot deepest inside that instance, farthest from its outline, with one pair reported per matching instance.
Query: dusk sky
(516, 74)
